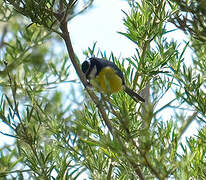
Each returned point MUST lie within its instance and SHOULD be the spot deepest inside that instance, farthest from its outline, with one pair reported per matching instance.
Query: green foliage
(190, 18)
(58, 136)
(41, 12)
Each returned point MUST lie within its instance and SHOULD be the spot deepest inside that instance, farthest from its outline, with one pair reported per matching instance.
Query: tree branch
(66, 37)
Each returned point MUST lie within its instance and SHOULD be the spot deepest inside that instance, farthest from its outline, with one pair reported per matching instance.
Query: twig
(13, 89)
(149, 165)
(66, 37)
(83, 9)
(3, 174)
(109, 173)
(5, 134)
(3, 36)
(186, 123)
(124, 149)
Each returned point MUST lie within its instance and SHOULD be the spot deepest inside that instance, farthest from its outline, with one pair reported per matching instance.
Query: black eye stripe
(86, 66)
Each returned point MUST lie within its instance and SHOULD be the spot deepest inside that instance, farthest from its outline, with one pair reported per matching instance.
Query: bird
(105, 76)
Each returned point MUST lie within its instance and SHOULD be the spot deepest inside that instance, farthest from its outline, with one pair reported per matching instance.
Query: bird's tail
(133, 94)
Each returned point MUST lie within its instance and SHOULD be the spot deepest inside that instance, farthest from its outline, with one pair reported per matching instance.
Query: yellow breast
(109, 81)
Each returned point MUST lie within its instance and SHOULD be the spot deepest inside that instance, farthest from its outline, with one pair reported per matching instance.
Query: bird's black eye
(85, 66)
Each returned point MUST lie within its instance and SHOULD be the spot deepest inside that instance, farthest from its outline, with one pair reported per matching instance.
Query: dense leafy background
(59, 135)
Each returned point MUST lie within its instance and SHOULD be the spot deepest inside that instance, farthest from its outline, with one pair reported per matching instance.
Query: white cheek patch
(93, 72)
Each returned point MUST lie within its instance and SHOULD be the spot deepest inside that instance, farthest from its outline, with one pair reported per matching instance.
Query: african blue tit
(107, 77)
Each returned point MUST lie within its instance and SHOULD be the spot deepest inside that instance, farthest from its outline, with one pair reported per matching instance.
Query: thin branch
(149, 165)
(165, 106)
(118, 135)
(71, 53)
(83, 9)
(186, 124)
(3, 36)
(109, 173)
(3, 174)
(13, 89)
(5, 134)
